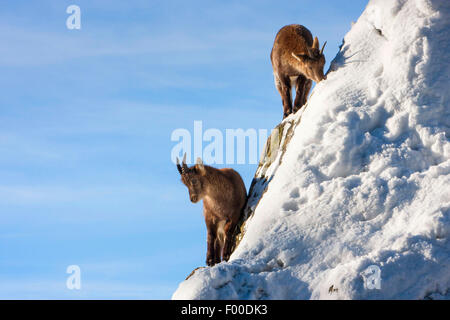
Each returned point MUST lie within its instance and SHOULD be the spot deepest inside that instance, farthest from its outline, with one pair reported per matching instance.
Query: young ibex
(224, 197)
(296, 57)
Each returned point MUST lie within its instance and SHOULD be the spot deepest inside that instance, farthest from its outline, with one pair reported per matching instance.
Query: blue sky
(86, 118)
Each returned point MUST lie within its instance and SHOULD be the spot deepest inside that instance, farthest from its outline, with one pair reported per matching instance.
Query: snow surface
(364, 179)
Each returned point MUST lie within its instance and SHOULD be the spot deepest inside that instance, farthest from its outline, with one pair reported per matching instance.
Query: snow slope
(364, 179)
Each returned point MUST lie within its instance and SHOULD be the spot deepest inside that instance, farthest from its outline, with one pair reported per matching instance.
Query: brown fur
(296, 56)
(224, 197)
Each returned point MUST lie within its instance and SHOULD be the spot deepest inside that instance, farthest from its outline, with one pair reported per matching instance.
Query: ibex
(224, 197)
(296, 60)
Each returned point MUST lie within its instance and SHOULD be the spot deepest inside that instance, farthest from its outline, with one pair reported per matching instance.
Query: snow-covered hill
(358, 178)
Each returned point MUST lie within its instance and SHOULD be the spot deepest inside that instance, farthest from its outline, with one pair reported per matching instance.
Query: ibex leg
(228, 230)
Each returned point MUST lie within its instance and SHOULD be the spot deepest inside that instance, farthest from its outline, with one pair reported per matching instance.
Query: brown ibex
(224, 197)
(296, 60)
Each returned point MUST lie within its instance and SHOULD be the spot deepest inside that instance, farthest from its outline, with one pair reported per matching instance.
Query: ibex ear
(200, 166)
(315, 44)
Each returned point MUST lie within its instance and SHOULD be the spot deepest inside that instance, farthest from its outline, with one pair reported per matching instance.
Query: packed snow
(364, 180)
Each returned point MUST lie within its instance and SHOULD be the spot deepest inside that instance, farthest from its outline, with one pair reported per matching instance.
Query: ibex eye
(194, 181)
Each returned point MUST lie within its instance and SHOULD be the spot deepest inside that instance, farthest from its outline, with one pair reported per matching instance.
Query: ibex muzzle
(224, 197)
(296, 61)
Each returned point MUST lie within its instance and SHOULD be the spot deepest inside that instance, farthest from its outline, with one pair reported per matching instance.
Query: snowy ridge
(364, 179)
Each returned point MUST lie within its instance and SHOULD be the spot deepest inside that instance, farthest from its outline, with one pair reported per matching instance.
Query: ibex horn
(180, 169)
(321, 51)
(185, 167)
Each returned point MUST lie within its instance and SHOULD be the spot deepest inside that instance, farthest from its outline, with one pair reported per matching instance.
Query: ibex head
(193, 178)
(312, 61)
